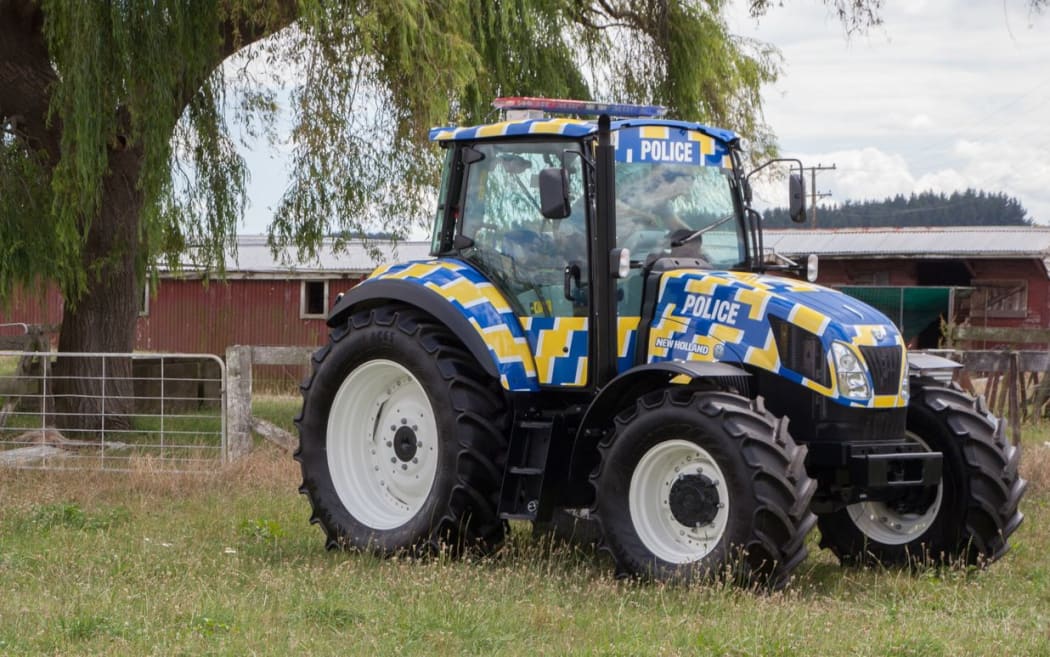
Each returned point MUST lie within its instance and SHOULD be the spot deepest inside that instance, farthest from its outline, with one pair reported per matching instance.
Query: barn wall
(959, 273)
(40, 307)
(188, 316)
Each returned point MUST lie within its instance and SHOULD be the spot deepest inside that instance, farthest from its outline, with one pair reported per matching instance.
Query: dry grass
(148, 563)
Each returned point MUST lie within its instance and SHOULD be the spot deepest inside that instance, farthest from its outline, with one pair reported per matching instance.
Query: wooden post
(238, 402)
(1016, 381)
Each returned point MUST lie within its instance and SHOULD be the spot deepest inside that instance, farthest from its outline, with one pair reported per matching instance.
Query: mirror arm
(797, 161)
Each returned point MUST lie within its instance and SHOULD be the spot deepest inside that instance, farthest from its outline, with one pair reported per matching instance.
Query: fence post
(1016, 383)
(238, 401)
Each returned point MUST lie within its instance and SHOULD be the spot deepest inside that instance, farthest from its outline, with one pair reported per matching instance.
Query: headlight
(853, 379)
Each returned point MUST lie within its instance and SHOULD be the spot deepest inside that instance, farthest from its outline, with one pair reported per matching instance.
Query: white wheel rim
(377, 484)
(884, 524)
(650, 504)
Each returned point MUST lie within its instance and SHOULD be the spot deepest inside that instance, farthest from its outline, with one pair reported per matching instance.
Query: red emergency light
(586, 107)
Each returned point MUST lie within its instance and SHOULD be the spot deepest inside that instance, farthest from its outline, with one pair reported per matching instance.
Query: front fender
(629, 386)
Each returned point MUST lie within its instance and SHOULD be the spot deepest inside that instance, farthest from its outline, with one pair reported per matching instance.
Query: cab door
(539, 264)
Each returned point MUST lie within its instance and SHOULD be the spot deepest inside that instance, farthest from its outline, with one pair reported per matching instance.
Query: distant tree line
(968, 208)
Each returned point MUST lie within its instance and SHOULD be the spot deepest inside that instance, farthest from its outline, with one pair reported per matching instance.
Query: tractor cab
(569, 218)
(527, 188)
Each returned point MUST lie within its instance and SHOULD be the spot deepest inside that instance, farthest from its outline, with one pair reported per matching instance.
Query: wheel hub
(694, 500)
(679, 501)
(405, 443)
(382, 447)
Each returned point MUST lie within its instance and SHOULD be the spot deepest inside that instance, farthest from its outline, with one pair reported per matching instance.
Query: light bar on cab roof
(557, 106)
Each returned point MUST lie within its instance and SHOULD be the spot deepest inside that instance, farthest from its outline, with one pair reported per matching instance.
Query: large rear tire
(967, 518)
(402, 438)
(696, 484)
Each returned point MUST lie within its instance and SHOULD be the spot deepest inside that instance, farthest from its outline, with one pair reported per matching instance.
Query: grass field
(156, 564)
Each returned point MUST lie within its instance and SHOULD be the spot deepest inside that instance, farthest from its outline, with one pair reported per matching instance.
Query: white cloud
(945, 95)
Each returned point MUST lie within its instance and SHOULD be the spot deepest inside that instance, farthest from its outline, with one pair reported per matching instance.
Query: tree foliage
(144, 78)
(967, 208)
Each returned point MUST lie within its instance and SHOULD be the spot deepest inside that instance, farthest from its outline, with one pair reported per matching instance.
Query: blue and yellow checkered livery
(713, 316)
(731, 317)
(528, 351)
(467, 290)
(627, 133)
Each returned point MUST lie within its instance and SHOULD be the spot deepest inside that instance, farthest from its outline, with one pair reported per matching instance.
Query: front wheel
(703, 483)
(966, 518)
(402, 438)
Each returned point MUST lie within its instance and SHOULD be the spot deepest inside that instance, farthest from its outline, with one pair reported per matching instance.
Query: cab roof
(563, 127)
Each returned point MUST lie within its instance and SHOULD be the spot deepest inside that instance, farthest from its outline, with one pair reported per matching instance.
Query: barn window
(144, 299)
(314, 299)
(999, 299)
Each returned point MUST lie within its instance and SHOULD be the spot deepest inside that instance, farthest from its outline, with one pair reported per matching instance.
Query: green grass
(155, 564)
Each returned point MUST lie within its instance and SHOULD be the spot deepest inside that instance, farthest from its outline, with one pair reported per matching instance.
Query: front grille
(885, 366)
(800, 351)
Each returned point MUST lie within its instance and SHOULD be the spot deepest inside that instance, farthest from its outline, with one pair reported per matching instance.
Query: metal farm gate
(139, 411)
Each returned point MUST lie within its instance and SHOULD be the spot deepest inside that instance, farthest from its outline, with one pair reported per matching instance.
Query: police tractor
(599, 334)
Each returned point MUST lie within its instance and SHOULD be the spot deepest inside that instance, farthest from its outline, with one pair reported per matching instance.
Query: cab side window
(509, 238)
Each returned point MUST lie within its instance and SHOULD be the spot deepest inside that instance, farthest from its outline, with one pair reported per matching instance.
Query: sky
(943, 96)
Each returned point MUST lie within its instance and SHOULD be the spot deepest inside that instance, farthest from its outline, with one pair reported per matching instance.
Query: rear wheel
(698, 484)
(402, 438)
(967, 517)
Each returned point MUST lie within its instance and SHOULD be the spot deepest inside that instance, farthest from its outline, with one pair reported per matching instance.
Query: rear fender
(492, 336)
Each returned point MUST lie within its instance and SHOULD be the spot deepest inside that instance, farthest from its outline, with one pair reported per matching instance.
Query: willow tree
(116, 152)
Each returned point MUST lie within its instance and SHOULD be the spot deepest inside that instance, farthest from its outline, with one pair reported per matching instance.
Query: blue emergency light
(587, 107)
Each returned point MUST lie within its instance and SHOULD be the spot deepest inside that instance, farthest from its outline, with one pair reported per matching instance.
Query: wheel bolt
(393, 459)
(389, 443)
(404, 466)
(415, 460)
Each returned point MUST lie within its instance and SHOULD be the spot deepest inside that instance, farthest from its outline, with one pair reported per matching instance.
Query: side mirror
(554, 193)
(797, 200)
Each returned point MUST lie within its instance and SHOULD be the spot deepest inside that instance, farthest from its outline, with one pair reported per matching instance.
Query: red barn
(993, 283)
(263, 300)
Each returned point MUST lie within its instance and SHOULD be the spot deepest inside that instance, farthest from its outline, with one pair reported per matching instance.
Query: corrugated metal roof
(254, 258)
(941, 242)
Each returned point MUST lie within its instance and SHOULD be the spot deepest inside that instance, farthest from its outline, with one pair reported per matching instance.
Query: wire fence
(112, 411)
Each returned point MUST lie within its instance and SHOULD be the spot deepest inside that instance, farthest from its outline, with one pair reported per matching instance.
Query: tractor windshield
(675, 196)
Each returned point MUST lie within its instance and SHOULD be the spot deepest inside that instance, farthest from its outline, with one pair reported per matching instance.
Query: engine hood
(760, 320)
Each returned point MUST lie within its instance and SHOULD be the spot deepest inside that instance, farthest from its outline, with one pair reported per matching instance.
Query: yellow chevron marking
(624, 326)
(726, 333)
(654, 132)
(756, 301)
(705, 285)
(866, 335)
(494, 130)
(766, 356)
(553, 127)
(809, 319)
(707, 144)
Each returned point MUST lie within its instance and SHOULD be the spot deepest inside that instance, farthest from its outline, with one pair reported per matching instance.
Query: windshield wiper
(679, 241)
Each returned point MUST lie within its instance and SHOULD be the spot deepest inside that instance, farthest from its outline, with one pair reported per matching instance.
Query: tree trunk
(88, 394)
(94, 393)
